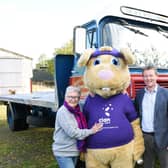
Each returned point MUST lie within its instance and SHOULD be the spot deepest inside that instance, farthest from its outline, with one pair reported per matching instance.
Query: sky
(35, 27)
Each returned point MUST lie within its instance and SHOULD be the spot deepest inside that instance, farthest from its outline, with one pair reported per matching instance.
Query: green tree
(49, 63)
(65, 49)
(42, 61)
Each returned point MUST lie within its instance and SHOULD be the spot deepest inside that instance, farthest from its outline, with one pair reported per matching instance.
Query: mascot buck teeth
(120, 143)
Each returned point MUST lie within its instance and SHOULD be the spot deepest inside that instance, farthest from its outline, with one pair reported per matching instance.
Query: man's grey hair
(73, 89)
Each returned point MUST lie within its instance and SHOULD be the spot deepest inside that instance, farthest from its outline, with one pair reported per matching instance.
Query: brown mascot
(120, 143)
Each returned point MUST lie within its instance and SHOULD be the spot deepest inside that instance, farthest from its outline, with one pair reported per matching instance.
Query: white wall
(15, 74)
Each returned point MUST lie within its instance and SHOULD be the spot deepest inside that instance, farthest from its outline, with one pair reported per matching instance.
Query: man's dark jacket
(160, 114)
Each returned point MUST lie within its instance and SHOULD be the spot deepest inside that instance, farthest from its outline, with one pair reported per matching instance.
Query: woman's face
(72, 98)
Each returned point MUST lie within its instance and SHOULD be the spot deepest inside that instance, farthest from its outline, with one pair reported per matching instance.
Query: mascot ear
(128, 56)
(84, 58)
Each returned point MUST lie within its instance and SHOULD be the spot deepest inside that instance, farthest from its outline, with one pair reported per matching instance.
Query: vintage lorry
(144, 32)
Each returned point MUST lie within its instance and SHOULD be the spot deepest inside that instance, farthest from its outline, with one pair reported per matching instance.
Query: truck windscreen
(148, 43)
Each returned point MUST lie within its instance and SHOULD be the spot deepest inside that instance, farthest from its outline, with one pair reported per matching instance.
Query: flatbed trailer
(38, 109)
(41, 99)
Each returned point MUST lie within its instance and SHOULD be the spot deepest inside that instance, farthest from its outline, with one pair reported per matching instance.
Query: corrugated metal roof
(15, 54)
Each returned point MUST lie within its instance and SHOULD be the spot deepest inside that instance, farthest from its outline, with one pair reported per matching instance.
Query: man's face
(150, 78)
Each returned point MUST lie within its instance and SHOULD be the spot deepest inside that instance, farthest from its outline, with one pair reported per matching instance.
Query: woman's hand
(97, 127)
(91, 94)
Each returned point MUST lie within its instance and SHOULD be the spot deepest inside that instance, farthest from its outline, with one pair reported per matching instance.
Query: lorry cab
(143, 32)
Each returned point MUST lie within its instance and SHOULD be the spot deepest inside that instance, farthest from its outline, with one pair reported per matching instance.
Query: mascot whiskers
(120, 143)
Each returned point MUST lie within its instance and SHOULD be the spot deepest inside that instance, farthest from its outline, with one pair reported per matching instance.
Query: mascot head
(106, 72)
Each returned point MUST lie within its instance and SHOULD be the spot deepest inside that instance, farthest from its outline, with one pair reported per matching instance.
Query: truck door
(63, 69)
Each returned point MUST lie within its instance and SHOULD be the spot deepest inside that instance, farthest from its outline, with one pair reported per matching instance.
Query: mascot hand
(138, 140)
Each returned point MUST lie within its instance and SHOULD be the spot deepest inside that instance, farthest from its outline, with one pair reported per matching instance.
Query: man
(152, 105)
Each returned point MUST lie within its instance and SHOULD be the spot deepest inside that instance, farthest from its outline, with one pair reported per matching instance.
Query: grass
(25, 149)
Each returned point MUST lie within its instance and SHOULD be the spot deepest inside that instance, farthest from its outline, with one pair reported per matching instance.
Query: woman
(70, 130)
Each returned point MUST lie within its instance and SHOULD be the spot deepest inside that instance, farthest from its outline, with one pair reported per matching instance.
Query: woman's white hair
(73, 89)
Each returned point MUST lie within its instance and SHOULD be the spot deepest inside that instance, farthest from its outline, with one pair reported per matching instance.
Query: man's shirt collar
(153, 91)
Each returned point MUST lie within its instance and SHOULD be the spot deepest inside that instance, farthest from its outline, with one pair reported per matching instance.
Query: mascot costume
(120, 143)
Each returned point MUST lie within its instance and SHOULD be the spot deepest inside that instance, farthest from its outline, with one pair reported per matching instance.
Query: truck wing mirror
(79, 41)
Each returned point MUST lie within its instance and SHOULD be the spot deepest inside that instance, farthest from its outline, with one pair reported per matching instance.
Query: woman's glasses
(73, 97)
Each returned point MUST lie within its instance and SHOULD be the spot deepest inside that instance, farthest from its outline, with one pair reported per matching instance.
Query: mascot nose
(105, 74)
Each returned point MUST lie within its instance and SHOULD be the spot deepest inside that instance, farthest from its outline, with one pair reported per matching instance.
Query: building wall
(15, 73)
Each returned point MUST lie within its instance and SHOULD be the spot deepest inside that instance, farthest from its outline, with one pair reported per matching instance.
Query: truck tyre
(39, 121)
(15, 124)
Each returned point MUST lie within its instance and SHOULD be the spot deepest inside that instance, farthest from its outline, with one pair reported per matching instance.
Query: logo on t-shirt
(107, 109)
(106, 117)
(105, 120)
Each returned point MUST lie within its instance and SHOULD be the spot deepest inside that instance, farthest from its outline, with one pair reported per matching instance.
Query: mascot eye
(96, 62)
(115, 61)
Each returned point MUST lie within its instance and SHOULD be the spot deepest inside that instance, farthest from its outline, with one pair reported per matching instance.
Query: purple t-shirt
(115, 113)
